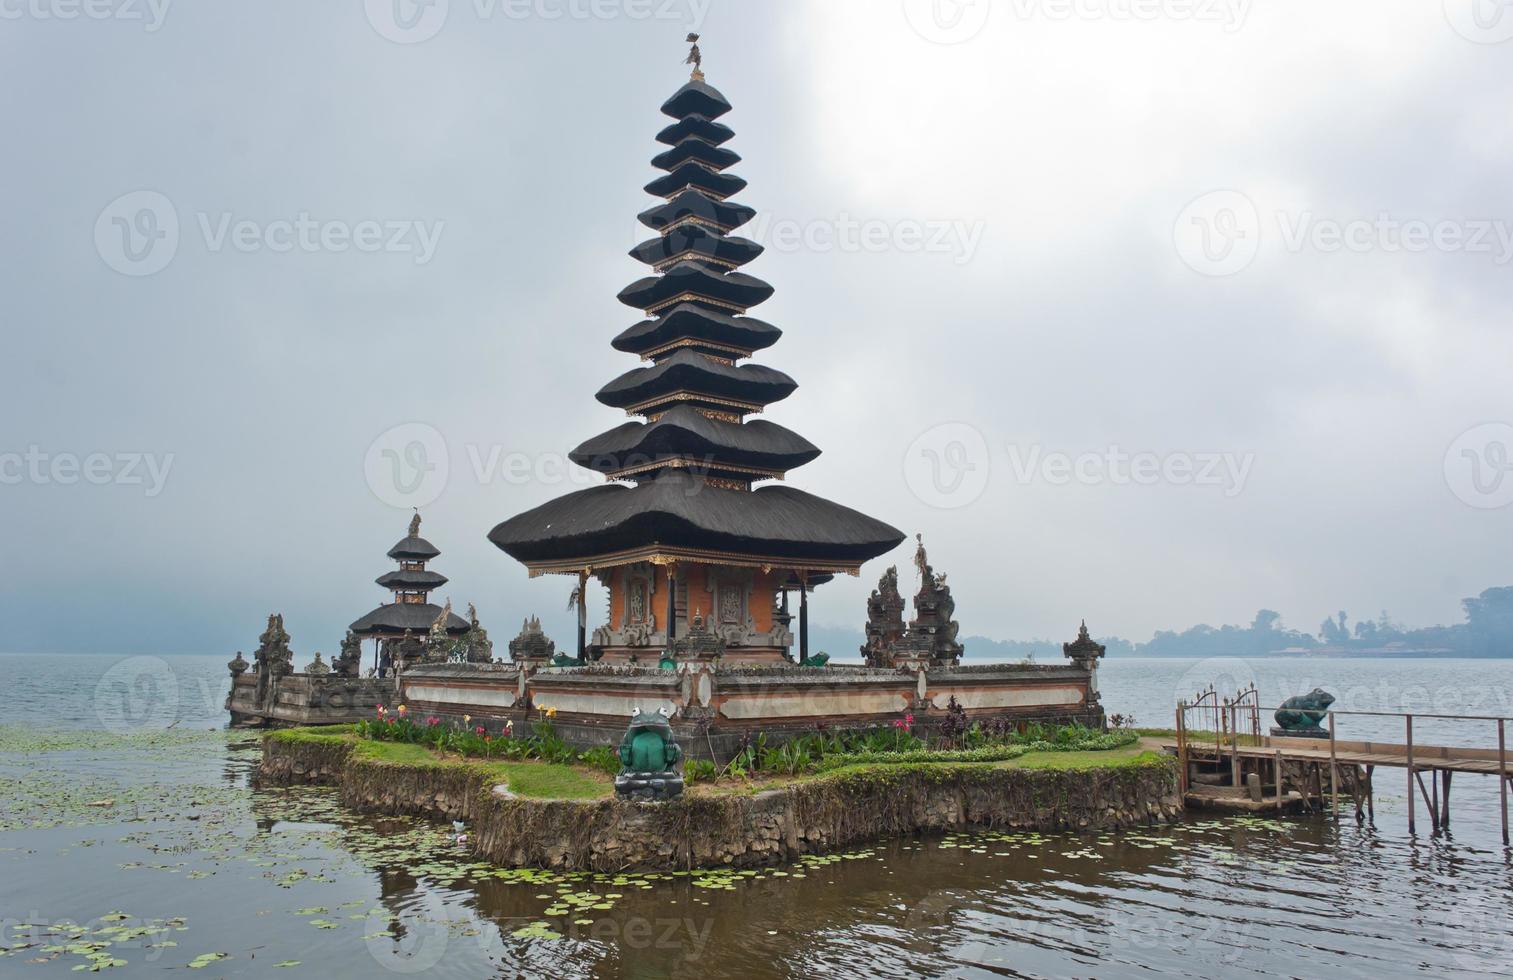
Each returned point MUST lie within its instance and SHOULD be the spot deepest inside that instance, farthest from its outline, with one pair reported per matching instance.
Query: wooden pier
(1227, 763)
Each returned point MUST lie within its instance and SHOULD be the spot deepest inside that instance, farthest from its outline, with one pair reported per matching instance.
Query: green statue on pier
(649, 758)
(1303, 714)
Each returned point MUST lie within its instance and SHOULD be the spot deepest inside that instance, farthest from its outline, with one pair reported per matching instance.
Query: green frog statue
(649, 758)
(1303, 714)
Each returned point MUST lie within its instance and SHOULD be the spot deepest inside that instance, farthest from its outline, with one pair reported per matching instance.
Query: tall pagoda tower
(683, 535)
(411, 614)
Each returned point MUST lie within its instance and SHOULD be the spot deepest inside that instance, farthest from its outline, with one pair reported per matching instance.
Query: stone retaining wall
(735, 830)
(714, 706)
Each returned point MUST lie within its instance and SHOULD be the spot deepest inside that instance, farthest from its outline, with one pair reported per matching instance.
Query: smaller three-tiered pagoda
(412, 615)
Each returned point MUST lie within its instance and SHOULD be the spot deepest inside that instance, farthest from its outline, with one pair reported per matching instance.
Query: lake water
(143, 846)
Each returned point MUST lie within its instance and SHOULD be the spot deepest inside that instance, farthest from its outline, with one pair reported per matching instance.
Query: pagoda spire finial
(694, 58)
(415, 524)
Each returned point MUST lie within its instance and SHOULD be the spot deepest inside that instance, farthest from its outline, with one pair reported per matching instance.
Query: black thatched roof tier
(696, 242)
(701, 178)
(684, 432)
(679, 511)
(693, 206)
(699, 282)
(688, 321)
(698, 127)
(412, 581)
(688, 371)
(417, 617)
(414, 548)
(695, 150)
(696, 98)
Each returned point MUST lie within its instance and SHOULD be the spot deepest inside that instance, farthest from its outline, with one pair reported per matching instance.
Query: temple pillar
(803, 621)
(582, 616)
(672, 605)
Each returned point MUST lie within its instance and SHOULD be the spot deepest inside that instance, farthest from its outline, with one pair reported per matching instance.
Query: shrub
(602, 757)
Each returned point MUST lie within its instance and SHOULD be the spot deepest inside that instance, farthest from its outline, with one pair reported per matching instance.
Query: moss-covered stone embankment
(532, 814)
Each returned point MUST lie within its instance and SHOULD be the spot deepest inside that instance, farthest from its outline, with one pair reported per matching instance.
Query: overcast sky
(1150, 319)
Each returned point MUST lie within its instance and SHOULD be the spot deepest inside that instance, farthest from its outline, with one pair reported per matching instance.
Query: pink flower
(432, 721)
(382, 711)
(478, 730)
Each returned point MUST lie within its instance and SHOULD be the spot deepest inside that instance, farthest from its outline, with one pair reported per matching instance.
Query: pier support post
(1281, 803)
(1182, 776)
(1371, 795)
(1408, 721)
(1502, 777)
(1234, 744)
(1334, 774)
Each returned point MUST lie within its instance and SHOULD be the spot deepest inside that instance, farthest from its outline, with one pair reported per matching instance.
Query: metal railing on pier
(1214, 729)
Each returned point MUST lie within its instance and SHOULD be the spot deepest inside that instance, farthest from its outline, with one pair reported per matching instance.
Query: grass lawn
(1131, 755)
(539, 780)
(553, 781)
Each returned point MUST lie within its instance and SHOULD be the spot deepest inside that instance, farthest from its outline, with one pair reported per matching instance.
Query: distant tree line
(1487, 632)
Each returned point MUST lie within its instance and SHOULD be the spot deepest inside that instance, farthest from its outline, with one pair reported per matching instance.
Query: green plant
(602, 757)
(700, 771)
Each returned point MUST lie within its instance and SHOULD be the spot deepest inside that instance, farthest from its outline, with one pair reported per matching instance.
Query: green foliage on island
(957, 742)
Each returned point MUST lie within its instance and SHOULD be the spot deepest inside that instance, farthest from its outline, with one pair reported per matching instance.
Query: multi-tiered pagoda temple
(691, 530)
(412, 614)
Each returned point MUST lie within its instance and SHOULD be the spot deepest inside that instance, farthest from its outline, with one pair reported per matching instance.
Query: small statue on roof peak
(415, 524)
(694, 58)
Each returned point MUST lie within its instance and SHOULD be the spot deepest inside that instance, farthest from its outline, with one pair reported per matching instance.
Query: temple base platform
(715, 706)
(305, 699)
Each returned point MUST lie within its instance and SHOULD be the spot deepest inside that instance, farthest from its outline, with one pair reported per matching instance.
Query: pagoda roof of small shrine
(417, 617)
(414, 548)
(412, 580)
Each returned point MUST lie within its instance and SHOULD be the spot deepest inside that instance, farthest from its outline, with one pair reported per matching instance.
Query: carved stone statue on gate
(885, 621)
